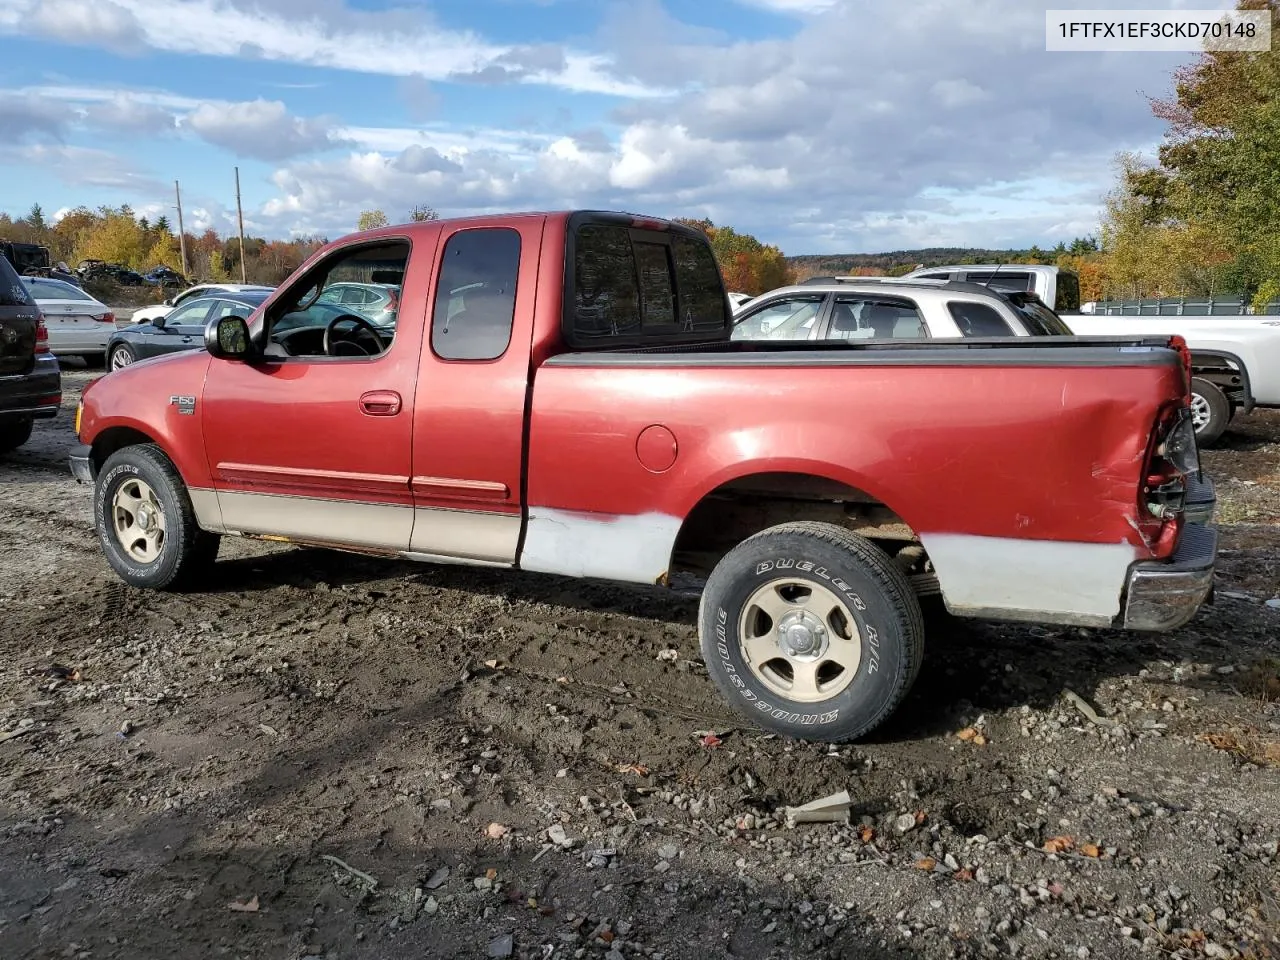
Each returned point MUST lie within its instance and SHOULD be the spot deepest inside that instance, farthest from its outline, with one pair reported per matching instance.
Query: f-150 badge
(186, 405)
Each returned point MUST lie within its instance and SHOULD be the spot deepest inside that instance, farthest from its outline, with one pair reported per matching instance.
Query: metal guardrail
(1181, 306)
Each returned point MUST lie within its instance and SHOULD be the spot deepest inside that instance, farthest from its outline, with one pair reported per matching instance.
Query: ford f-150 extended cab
(559, 393)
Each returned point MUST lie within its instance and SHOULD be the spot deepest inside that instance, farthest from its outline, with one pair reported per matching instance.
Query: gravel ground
(329, 756)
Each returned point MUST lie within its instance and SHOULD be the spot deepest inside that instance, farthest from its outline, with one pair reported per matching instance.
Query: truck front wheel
(146, 523)
(811, 631)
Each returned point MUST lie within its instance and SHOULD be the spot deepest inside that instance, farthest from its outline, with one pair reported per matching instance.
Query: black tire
(124, 351)
(186, 551)
(875, 595)
(14, 435)
(95, 359)
(1209, 397)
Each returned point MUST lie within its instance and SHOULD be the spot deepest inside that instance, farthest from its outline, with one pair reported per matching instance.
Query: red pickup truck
(559, 393)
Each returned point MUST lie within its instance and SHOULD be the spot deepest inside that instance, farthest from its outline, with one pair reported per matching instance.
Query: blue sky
(818, 125)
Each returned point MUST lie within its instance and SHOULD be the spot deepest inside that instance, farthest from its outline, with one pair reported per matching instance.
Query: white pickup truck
(1235, 359)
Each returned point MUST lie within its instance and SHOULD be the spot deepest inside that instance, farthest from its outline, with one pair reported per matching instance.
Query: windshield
(1039, 319)
(54, 290)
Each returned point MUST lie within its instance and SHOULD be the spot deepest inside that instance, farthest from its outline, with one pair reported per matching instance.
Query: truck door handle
(380, 403)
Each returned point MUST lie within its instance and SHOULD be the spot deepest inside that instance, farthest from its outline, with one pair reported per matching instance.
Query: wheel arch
(1212, 370)
(117, 437)
(755, 497)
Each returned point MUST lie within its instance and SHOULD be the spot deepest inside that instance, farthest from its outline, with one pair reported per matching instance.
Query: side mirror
(169, 302)
(158, 322)
(227, 338)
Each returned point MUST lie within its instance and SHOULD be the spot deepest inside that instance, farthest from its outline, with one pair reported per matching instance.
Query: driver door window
(323, 315)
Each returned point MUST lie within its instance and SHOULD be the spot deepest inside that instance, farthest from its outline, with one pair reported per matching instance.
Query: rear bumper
(81, 463)
(35, 395)
(1163, 595)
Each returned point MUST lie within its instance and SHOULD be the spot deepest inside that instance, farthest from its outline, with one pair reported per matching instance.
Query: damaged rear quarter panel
(1034, 452)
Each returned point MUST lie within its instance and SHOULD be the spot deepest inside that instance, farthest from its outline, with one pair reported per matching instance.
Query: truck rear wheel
(811, 631)
(1210, 411)
(146, 523)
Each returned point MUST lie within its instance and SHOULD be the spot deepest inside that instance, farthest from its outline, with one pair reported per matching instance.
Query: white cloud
(123, 113)
(792, 6)
(958, 92)
(82, 166)
(875, 124)
(398, 42)
(261, 128)
(101, 23)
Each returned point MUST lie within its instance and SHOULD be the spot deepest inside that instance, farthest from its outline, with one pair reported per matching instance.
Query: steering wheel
(329, 342)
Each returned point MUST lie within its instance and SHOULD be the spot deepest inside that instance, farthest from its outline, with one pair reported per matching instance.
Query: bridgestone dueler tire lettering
(187, 550)
(877, 595)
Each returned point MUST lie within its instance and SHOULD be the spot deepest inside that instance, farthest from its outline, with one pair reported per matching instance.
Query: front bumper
(1164, 594)
(81, 463)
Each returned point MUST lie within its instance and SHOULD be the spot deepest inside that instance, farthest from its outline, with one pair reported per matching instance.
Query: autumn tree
(746, 264)
(114, 236)
(371, 220)
(1207, 216)
(164, 252)
(420, 214)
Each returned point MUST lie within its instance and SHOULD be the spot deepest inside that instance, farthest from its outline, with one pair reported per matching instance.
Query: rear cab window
(634, 282)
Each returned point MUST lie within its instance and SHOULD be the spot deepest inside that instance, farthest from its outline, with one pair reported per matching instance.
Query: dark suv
(30, 381)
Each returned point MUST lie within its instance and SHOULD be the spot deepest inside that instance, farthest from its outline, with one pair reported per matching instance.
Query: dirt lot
(190, 789)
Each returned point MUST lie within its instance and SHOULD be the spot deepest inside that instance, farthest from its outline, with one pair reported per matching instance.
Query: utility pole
(240, 216)
(182, 233)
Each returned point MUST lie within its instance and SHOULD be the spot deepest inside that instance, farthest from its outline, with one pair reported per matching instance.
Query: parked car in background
(378, 302)
(181, 329)
(27, 259)
(561, 395)
(30, 380)
(147, 314)
(736, 300)
(883, 308)
(163, 276)
(99, 270)
(79, 325)
(1235, 359)
(1056, 288)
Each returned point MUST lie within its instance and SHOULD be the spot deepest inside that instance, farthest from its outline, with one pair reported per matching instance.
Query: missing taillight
(1178, 445)
(1174, 457)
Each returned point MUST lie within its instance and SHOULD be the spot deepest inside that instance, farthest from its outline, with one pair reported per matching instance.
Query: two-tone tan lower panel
(475, 535)
(469, 534)
(381, 525)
